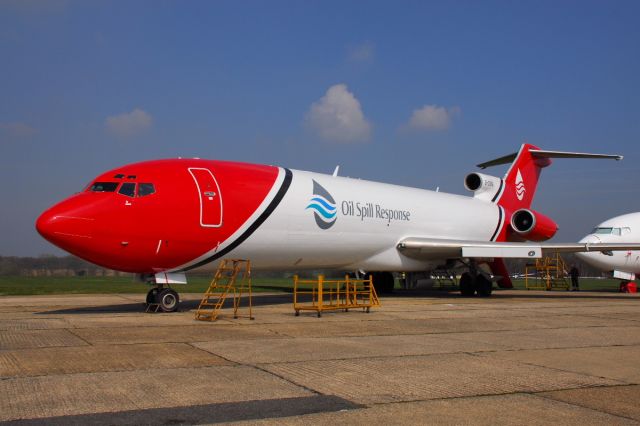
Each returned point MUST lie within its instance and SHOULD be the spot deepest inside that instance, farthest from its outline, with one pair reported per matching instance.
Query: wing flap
(503, 252)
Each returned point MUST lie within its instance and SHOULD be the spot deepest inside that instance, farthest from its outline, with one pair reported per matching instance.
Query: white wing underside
(433, 248)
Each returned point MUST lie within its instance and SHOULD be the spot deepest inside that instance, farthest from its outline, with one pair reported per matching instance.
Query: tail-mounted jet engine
(532, 225)
(484, 187)
(526, 224)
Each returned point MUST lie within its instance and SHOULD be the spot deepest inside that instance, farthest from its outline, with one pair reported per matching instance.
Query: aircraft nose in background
(591, 238)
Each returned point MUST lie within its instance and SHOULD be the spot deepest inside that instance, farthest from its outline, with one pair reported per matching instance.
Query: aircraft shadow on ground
(287, 298)
(515, 294)
(186, 305)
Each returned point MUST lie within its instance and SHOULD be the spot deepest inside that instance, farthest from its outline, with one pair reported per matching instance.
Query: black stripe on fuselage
(495, 197)
(498, 226)
(251, 229)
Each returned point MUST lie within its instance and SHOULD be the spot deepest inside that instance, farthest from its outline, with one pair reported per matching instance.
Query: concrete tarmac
(518, 357)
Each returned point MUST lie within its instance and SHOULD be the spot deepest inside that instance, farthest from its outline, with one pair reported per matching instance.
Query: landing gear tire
(152, 296)
(168, 300)
(484, 286)
(467, 288)
(383, 282)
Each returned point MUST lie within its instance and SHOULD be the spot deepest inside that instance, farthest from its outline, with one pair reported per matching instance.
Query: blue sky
(425, 90)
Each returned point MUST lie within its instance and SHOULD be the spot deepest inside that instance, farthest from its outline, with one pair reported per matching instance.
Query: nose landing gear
(162, 298)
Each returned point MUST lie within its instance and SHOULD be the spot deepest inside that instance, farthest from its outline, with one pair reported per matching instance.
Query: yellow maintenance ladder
(548, 273)
(330, 295)
(223, 284)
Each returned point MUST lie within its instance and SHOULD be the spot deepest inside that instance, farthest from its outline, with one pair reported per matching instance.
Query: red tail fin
(521, 180)
(516, 221)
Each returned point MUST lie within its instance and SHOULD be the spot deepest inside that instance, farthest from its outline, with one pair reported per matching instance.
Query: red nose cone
(64, 228)
(44, 224)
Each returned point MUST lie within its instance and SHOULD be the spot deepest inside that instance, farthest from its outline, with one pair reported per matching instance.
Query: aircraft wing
(434, 248)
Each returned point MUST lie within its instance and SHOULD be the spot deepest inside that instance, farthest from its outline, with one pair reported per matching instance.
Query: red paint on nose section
(187, 219)
(66, 225)
(44, 224)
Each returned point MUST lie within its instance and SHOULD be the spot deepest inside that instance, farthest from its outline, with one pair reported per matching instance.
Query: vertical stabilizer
(521, 180)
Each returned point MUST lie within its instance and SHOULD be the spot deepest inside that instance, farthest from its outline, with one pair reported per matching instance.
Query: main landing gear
(478, 284)
(474, 282)
(163, 298)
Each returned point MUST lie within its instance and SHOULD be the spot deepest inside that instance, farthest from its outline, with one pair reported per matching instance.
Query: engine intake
(532, 225)
(483, 186)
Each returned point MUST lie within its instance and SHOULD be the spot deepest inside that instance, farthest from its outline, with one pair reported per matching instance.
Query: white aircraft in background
(623, 265)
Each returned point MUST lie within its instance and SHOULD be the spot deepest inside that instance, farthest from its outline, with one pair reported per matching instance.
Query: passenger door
(209, 196)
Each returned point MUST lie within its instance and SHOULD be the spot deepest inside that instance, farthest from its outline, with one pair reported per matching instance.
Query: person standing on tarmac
(575, 274)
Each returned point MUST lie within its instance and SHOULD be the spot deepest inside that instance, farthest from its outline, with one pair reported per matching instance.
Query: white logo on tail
(520, 189)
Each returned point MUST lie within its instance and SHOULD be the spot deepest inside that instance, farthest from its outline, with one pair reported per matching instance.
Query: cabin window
(103, 187)
(146, 189)
(128, 189)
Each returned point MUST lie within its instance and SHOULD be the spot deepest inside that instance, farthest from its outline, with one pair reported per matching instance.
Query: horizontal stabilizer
(540, 153)
(430, 248)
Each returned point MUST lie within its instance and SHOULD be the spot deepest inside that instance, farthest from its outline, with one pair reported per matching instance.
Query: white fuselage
(370, 219)
(620, 229)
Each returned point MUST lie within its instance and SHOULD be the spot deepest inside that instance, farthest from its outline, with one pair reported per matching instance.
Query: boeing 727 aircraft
(161, 218)
(624, 265)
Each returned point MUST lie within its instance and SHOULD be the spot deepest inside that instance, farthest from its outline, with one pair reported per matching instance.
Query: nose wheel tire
(168, 300)
(163, 299)
(152, 296)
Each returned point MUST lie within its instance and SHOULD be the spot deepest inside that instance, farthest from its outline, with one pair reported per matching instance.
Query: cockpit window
(103, 186)
(128, 189)
(146, 189)
(606, 231)
(610, 231)
(119, 176)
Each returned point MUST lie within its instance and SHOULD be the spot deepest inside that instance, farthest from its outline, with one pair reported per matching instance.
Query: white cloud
(361, 53)
(129, 124)
(337, 116)
(17, 130)
(433, 117)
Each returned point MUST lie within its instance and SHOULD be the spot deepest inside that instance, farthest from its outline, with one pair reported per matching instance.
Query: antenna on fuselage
(335, 172)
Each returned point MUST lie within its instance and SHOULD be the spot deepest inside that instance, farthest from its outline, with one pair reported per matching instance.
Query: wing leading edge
(434, 248)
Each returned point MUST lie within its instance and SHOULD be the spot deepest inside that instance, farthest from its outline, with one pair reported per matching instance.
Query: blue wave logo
(323, 206)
